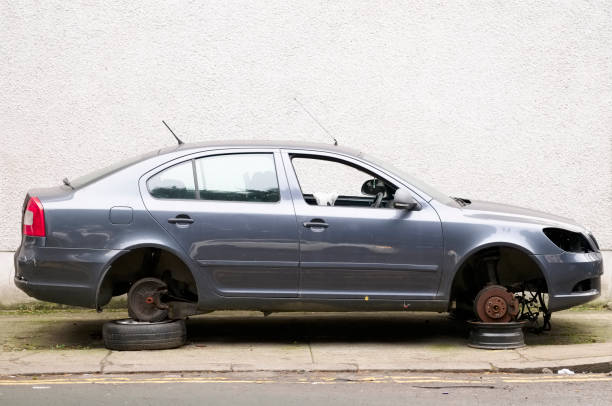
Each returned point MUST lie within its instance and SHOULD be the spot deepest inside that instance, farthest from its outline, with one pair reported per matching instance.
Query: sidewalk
(70, 342)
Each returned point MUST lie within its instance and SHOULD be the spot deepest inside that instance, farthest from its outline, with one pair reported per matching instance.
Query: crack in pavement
(311, 355)
(21, 357)
(105, 361)
(521, 355)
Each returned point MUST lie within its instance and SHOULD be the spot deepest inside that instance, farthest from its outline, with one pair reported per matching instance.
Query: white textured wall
(486, 100)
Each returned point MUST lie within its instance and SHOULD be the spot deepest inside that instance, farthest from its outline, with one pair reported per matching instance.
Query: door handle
(315, 224)
(181, 219)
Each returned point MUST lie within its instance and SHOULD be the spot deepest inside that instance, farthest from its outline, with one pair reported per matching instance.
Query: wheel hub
(495, 304)
(145, 300)
(496, 307)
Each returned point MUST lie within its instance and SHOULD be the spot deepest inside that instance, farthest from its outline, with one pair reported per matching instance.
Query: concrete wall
(491, 100)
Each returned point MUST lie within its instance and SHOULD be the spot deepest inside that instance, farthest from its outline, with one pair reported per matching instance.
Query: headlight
(594, 240)
(568, 240)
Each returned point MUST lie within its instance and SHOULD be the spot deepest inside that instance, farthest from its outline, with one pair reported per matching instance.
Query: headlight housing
(568, 240)
(594, 241)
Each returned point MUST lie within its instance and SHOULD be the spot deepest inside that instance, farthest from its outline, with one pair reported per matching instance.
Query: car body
(276, 248)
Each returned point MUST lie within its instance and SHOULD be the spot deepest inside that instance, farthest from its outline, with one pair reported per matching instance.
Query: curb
(596, 366)
(592, 367)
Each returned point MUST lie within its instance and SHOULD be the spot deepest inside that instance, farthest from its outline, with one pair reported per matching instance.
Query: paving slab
(246, 341)
(52, 362)
(387, 356)
(212, 357)
(562, 352)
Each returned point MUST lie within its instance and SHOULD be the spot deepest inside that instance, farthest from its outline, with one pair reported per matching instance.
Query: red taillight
(34, 219)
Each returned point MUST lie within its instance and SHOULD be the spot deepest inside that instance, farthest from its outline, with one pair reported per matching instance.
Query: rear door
(232, 213)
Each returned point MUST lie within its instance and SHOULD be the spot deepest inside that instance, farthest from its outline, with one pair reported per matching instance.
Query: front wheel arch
(517, 266)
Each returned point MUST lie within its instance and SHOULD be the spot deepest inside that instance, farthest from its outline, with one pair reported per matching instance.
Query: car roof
(262, 144)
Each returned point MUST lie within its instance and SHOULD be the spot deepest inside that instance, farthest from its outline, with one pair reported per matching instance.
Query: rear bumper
(573, 278)
(60, 275)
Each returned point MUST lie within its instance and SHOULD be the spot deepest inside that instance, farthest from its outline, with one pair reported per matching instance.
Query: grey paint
(260, 256)
(243, 248)
(381, 253)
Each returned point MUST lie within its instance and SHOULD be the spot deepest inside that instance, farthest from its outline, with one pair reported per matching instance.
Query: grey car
(280, 226)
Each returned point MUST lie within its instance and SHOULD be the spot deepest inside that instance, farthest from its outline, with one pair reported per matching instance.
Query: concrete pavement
(70, 342)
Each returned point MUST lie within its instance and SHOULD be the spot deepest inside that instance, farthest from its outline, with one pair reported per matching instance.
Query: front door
(232, 213)
(356, 246)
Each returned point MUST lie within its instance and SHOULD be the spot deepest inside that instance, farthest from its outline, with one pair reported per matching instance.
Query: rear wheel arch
(128, 266)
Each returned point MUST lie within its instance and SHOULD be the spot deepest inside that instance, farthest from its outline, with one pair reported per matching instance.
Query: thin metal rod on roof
(170, 129)
(315, 120)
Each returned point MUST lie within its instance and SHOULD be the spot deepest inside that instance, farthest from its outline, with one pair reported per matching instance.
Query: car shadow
(409, 328)
(332, 328)
(290, 328)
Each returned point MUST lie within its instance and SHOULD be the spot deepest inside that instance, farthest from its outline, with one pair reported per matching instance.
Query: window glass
(430, 190)
(318, 175)
(100, 173)
(332, 183)
(175, 182)
(238, 177)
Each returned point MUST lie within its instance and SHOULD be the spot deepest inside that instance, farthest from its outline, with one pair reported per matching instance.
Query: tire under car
(131, 335)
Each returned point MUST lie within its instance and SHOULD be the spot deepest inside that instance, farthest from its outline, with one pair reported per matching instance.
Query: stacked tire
(132, 335)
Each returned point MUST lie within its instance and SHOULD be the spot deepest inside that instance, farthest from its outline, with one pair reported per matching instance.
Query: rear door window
(238, 177)
(176, 182)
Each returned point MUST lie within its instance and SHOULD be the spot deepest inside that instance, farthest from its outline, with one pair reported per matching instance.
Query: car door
(349, 250)
(231, 211)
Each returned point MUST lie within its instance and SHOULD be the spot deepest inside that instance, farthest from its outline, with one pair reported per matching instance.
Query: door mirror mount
(406, 206)
(403, 200)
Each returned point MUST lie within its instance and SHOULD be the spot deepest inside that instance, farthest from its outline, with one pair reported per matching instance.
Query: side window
(325, 182)
(238, 177)
(175, 182)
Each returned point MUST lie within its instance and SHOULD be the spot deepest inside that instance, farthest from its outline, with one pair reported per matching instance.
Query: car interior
(331, 182)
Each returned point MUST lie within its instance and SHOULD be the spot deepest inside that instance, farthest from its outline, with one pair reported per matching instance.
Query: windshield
(430, 190)
(100, 173)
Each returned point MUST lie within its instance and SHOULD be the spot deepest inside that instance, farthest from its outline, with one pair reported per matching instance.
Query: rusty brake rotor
(495, 304)
(145, 300)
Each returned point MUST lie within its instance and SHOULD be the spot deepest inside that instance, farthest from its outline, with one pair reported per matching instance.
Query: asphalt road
(307, 389)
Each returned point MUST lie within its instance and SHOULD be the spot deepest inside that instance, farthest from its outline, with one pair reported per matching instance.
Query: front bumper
(573, 278)
(60, 275)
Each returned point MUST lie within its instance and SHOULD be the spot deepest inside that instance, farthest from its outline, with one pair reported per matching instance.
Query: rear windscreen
(100, 173)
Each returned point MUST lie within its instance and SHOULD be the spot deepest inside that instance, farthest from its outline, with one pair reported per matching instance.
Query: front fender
(464, 237)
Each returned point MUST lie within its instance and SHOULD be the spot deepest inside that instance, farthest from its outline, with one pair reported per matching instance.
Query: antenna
(315, 120)
(170, 129)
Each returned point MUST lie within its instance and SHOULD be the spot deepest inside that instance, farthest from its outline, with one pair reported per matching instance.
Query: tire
(131, 335)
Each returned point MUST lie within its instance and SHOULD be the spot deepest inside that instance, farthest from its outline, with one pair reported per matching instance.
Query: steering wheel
(378, 200)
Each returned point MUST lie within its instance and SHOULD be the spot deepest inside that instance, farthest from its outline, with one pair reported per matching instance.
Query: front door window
(327, 182)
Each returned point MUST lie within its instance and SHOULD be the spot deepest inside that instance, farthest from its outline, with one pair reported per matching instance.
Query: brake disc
(144, 300)
(495, 304)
